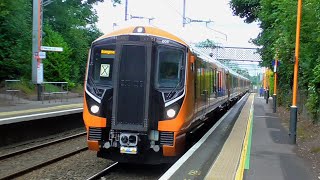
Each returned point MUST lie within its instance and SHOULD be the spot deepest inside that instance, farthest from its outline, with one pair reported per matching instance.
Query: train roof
(154, 31)
(147, 30)
(208, 58)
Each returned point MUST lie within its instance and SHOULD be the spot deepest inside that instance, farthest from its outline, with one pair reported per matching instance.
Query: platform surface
(272, 156)
(257, 148)
(25, 110)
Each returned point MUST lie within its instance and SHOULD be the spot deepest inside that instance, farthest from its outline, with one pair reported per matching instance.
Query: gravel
(34, 142)
(80, 166)
(29, 159)
(138, 172)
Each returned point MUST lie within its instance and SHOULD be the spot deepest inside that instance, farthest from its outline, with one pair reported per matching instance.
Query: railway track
(104, 171)
(20, 155)
(24, 150)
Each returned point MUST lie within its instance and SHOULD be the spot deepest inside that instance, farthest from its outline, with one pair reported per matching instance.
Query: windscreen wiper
(181, 69)
(94, 87)
(174, 89)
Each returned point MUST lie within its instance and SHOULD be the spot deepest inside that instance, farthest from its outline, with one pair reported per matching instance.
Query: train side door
(205, 88)
(200, 88)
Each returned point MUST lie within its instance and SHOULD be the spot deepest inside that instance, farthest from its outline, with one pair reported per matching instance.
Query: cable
(171, 6)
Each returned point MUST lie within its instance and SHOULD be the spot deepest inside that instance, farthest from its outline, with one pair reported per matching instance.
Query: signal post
(294, 108)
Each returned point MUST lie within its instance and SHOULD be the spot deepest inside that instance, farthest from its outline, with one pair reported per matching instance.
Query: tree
(15, 39)
(277, 19)
(247, 9)
(58, 65)
(206, 44)
(75, 21)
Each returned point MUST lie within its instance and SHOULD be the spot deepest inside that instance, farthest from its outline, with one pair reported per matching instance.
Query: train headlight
(171, 113)
(94, 109)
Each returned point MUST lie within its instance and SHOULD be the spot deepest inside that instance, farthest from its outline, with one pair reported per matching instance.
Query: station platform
(26, 110)
(248, 143)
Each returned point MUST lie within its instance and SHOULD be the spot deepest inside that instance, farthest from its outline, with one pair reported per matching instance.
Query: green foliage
(315, 150)
(15, 39)
(271, 82)
(57, 65)
(68, 24)
(277, 19)
(78, 88)
(51, 88)
(207, 44)
(23, 85)
(247, 9)
(75, 22)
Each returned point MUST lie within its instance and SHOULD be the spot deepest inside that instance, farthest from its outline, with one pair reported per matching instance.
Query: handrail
(12, 80)
(54, 82)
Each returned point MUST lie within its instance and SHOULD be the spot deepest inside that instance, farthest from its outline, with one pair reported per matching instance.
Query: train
(147, 89)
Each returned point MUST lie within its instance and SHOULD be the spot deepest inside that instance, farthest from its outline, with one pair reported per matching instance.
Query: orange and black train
(146, 90)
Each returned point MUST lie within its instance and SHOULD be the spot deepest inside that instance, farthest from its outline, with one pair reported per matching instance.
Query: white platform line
(167, 175)
(38, 114)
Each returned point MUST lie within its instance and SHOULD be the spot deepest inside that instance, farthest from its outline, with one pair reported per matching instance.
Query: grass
(315, 150)
(77, 89)
(51, 88)
(28, 89)
(302, 133)
(24, 86)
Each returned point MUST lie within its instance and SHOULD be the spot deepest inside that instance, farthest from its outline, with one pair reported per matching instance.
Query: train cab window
(169, 67)
(101, 64)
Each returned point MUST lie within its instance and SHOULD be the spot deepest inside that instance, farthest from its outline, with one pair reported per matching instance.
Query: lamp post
(294, 108)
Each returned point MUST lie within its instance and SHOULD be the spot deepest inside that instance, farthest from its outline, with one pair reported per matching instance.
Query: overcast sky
(168, 15)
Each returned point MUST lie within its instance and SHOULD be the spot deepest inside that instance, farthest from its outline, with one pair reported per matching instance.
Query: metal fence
(11, 87)
(54, 91)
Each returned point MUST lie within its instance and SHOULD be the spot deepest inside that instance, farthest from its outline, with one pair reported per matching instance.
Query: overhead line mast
(37, 21)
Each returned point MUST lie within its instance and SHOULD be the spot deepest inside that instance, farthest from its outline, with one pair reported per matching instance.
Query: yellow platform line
(226, 164)
(240, 170)
(68, 106)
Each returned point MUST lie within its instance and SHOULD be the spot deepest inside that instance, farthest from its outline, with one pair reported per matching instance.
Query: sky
(225, 29)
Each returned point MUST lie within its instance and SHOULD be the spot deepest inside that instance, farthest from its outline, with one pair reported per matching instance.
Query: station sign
(48, 48)
(42, 55)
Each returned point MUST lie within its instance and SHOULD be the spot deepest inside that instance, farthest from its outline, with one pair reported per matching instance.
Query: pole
(37, 67)
(184, 13)
(275, 85)
(294, 108)
(265, 84)
(126, 11)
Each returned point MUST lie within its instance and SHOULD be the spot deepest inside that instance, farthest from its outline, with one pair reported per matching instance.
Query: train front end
(134, 92)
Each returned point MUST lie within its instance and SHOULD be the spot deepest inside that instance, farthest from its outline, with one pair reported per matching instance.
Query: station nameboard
(48, 48)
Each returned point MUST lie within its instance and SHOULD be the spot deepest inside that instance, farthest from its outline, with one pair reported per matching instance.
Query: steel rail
(104, 171)
(18, 152)
(42, 164)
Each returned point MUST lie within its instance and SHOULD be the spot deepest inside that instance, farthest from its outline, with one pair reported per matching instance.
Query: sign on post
(40, 74)
(48, 48)
(42, 55)
(275, 65)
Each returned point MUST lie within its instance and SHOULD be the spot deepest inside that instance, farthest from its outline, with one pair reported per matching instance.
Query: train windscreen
(170, 67)
(101, 65)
